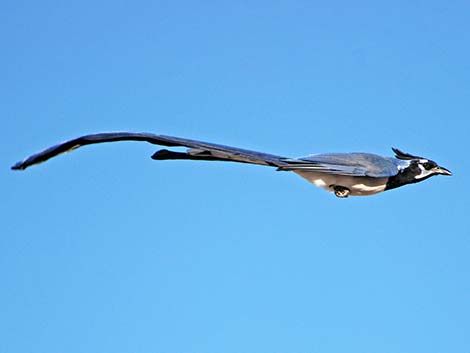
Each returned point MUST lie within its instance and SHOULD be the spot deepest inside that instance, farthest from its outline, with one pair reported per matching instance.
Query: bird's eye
(429, 165)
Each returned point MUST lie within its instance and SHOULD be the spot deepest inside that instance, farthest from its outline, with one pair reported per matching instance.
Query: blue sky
(105, 250)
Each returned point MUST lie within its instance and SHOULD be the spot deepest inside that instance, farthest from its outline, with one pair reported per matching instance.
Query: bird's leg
(340, 191)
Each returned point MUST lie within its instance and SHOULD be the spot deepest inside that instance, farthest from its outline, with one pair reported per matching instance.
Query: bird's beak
(443, 171)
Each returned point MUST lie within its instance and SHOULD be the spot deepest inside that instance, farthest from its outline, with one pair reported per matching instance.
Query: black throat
(405, 176)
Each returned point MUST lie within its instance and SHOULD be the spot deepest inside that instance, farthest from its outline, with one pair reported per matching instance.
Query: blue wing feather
(352, 164)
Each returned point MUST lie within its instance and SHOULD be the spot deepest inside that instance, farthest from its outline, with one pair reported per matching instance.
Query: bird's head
(422, 168)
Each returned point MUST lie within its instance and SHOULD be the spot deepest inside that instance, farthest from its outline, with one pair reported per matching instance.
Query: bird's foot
(340, 191)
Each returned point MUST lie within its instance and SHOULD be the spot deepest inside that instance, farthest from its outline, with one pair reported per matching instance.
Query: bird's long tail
(197, 150)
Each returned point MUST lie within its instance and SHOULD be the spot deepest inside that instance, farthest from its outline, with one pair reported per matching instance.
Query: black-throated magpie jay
(345, 174)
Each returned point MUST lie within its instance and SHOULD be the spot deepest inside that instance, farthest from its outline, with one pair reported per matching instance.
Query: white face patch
(424, 172)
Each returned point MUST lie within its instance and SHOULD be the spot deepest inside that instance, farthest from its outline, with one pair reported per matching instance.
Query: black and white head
(420, 168)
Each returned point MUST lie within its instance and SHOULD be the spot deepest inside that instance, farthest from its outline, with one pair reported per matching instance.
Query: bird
(344, 174)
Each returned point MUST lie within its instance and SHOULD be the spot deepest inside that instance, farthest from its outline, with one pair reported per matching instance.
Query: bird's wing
(350, 164)
(198, 150)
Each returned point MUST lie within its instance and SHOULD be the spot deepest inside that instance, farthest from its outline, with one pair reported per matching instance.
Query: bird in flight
(344, 174)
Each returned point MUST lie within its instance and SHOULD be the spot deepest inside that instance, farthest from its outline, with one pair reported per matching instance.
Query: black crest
(402, 155)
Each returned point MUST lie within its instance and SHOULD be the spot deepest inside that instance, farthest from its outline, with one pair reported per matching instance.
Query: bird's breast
(358, 185)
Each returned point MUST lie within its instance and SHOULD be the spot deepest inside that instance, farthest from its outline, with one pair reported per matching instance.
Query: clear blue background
(105, 250)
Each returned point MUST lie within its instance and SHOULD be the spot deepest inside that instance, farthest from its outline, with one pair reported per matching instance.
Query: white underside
(358, 186)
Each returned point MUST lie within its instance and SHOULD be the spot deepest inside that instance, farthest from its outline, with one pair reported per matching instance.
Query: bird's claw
(341, 191)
